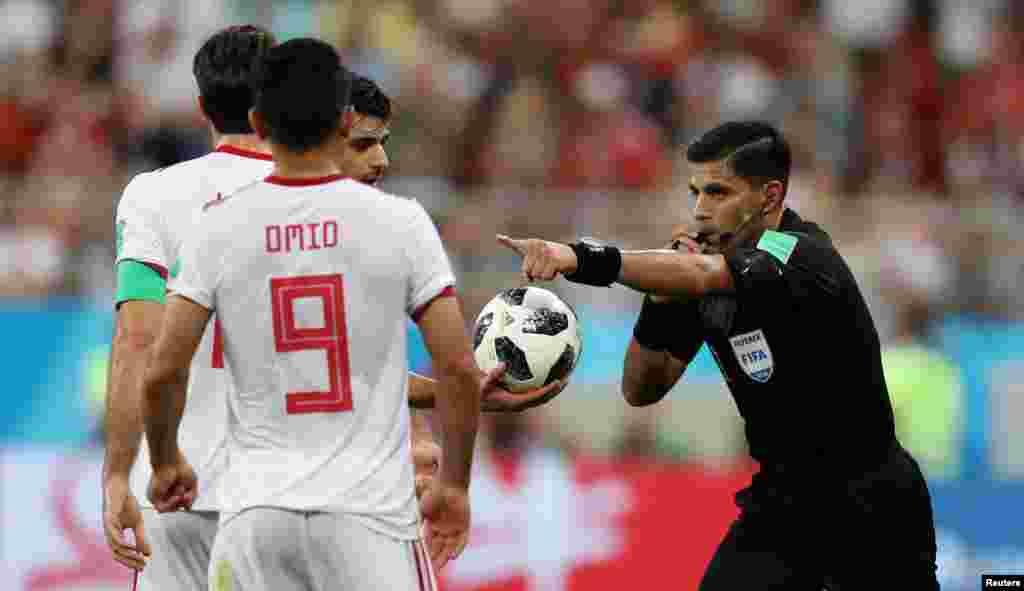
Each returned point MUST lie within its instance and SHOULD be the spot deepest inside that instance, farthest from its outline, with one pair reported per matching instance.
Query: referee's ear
(774, 193)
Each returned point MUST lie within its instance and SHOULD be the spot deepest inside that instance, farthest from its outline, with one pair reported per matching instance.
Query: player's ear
(202, 107)
(256, 122)
(348, 119)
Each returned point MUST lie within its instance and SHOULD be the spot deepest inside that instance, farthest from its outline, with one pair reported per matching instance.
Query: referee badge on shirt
(753, 354)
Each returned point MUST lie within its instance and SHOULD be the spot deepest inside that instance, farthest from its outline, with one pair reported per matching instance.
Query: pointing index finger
(517, 245)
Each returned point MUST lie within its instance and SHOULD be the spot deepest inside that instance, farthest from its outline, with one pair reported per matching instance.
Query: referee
(837, 504)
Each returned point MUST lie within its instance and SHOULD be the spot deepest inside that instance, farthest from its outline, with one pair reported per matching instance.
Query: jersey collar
(303, 182)
(235, 151)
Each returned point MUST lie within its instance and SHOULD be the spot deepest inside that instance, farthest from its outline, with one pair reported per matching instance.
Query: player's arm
(458, 394)
(174, 483)
(421, 391)
(140, 293)
(137, 326)
(141, 284)
(426, 453)
(164, 390)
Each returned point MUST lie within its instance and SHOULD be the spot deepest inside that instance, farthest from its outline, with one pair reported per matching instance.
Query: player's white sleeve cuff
(429, 293)
(198, 296)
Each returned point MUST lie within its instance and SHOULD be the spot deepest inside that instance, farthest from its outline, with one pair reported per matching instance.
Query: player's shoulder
(140, 194)
(220, 212)
(185, 168)
(401, 210)
(150, 188)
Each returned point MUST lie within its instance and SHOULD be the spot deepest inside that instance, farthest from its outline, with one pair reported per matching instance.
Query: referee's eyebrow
(713, 188)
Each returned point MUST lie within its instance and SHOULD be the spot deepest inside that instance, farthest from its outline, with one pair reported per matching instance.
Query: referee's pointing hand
(542, 260)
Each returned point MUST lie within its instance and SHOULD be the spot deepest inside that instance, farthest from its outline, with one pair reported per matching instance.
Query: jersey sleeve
(430, 272)
(785, 263)
(199, 267)
(140, 232)
(142, 249)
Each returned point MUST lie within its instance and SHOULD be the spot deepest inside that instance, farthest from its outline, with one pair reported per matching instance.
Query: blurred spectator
(34, 259)
(986, 116)
(924, 384)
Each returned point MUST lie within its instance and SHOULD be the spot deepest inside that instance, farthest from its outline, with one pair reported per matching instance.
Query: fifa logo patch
(753, 355)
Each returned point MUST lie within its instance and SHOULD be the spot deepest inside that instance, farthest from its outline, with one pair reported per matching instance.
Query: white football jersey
(157, 212)
(313, 282)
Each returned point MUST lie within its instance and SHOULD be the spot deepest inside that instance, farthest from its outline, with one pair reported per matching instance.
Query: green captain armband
(139, 281)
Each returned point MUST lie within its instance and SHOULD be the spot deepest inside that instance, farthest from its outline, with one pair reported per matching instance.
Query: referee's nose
(700, 207)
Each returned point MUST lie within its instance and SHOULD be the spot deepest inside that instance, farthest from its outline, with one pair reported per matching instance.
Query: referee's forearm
(647, 375)
(668, 272)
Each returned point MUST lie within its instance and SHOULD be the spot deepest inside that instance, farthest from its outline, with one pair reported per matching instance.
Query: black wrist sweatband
(655, 328)
(595, 265)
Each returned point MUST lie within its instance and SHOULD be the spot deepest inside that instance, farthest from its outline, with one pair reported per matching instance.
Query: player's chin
(371, 180)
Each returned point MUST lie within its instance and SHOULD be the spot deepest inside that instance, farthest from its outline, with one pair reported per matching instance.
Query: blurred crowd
(562, 118)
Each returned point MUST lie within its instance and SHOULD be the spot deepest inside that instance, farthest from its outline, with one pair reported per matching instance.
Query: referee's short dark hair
(301, 92)
(223, 68)
(369, 99)
(753, 150)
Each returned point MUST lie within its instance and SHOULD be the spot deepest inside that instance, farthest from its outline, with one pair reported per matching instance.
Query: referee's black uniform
(838, 504)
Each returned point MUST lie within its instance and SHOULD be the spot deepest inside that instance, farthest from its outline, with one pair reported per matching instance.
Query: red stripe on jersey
(427, 565)
(218, 345)
(419, 570)
(448, 292)
(303, 182)
(235, 151)
(160, 269)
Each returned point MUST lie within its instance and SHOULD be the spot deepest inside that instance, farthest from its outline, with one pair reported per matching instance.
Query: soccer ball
(533, 332)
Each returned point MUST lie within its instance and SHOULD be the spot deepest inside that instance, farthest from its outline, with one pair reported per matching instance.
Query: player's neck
(310, 164)
(249, 142)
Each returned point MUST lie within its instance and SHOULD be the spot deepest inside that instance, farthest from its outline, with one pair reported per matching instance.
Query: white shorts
(265, 549)
(181, 542)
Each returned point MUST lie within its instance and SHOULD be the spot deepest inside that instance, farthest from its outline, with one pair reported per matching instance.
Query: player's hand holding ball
(499, 398)
(445, 510)
(173, 486)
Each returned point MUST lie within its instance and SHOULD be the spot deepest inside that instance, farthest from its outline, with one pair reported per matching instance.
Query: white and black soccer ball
(533, 332)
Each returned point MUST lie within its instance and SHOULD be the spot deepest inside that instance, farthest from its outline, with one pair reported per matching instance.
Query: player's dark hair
(224, 68)
(369, 99)
(753, 150)
(301, 91)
